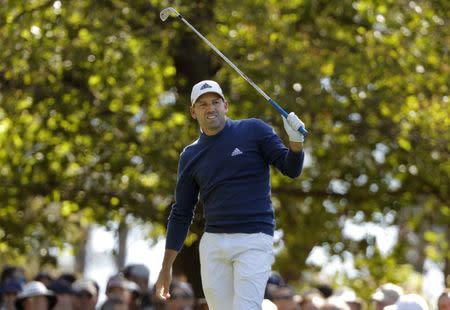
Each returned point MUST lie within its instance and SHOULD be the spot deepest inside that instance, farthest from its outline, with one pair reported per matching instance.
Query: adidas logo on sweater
(236, 152)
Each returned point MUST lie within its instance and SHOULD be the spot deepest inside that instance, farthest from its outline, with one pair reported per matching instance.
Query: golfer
(227, 169)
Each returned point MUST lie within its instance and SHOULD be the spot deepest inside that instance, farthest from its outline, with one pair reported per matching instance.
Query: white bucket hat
(34, 289)
(203, 87)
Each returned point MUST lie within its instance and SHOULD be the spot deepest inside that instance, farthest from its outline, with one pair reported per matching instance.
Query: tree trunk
(447, 272)
(121, 253)
(81, 251)
(188, 260)
(188, 264)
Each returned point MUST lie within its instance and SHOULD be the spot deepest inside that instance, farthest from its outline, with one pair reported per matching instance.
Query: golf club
(165, 13)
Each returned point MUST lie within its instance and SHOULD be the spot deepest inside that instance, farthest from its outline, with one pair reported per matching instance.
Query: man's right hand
(163, 284)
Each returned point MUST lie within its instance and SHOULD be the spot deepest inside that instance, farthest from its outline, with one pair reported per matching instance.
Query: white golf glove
(291, 125)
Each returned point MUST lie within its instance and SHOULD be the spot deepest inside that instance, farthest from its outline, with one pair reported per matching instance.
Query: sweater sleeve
(276, 153)
(181, 215)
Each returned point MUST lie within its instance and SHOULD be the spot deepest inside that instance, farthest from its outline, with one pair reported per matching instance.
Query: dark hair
(69, 277)
(325, 290)
(41, 276)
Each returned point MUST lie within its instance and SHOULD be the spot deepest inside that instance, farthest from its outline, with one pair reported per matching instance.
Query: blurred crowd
(130, 290)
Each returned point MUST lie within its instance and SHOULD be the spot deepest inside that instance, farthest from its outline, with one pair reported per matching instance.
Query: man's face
(84, 301)
(36, 303)
(119, 293)
(210, 111)
(444, 302)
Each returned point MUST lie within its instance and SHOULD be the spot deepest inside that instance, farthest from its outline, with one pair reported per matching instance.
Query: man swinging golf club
(227, 169)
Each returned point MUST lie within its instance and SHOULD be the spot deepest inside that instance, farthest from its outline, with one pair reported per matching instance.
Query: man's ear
(225, 104)
(191, 109)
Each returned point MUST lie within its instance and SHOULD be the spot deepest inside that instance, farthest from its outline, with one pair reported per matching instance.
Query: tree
(94, 107)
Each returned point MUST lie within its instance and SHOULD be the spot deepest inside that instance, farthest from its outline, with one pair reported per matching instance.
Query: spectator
(35, 296)
(444, 300)
(13, 272)
(135, 297)
(85, 295)
(387, 294)
(119, 288)
(140, 274)
(275, 280)
(10, 289)
(409, 302)
(63, 292)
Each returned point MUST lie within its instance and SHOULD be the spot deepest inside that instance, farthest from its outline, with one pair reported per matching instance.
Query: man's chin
(213, 126)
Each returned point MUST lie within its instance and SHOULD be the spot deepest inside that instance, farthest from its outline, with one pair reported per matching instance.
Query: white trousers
(235, 269)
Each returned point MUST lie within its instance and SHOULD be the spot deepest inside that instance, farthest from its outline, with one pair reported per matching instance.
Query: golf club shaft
(302, 130)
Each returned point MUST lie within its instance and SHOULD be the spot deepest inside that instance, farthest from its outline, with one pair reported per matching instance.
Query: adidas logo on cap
(206, 85)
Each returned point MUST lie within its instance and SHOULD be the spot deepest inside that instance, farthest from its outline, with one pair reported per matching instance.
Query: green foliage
(93, 115)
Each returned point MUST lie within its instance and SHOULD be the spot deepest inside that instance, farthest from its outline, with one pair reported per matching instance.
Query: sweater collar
(204, 137)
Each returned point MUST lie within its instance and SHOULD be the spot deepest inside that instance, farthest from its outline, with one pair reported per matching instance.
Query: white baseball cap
(203, 87)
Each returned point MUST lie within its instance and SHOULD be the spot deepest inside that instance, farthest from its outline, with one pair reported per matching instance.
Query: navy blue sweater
(229, 172)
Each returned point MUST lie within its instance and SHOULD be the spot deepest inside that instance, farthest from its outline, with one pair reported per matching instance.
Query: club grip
(302, 130)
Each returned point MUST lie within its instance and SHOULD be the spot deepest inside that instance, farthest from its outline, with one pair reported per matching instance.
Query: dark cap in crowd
(60, 286)
(137, 270)
(276, 279)
(11, 286)
(34, 289)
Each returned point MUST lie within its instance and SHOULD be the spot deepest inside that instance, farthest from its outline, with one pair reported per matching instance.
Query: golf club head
(167, 12)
